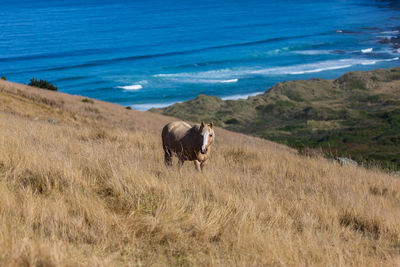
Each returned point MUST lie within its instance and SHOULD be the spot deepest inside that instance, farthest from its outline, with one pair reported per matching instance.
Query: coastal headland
(356, 115)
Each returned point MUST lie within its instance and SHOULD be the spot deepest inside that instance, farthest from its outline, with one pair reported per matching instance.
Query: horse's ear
(202, 125)
(211, 125)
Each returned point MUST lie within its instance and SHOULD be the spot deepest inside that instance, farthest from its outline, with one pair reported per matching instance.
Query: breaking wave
(368, 50)
(229, 81)
(131, 87)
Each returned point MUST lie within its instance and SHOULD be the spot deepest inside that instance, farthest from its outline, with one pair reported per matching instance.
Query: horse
(188, 143)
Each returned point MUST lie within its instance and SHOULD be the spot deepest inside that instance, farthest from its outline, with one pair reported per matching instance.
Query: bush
(3, 78)
(87, 100)
(42, 84)
(232, 121)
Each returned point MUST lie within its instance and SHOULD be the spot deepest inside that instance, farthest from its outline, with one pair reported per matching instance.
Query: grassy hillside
(357, 115)
(82, 183)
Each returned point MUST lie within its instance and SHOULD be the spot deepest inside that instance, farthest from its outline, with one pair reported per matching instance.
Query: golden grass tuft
(91, 189)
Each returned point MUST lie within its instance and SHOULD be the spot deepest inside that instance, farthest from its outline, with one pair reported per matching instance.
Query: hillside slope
(357, 114)
(84, 184)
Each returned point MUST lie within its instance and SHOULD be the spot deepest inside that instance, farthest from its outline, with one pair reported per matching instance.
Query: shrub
(42, 84)
(3, 78)
(232, 121)
(128, 107)
(87, 100)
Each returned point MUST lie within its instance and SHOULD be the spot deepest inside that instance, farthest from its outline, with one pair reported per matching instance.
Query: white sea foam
(229, 81)
(371, 62)
(334, 65)
(151, 105)
(308, 68)
(391, 59)
(242, 96)
(131, 87)
(390, 32)
(204, 80)
(161, 75)
(368, 62)
(368, 50)
(320, 69)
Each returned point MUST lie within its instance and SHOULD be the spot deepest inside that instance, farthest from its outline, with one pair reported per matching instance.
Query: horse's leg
(167, 157)
(197, 165)
(204, 163)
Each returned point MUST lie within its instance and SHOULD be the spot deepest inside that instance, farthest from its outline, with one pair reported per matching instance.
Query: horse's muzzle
(204, 151)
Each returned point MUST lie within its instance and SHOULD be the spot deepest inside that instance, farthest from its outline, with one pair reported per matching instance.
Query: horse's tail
(167, 151)
(164, 134)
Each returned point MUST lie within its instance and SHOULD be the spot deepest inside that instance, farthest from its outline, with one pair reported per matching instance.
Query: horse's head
(207, 134)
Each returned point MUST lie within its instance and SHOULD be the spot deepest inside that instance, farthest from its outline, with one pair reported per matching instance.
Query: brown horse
(187, 142)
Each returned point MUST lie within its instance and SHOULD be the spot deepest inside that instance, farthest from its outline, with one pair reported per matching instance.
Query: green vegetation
(356, 115)
(87, 100)
(3, 78)
(42, 84)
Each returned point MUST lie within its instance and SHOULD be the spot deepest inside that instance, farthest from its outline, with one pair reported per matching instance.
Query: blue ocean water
(154, 53)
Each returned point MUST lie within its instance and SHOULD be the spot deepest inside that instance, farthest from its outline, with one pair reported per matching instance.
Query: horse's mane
(196, 127)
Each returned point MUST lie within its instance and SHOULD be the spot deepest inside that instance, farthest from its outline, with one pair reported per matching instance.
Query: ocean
(154, 53)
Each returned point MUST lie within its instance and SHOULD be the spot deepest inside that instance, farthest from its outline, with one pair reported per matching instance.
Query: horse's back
(173, 132)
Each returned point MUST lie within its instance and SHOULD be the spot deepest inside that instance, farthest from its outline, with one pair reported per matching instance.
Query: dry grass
(91, 189)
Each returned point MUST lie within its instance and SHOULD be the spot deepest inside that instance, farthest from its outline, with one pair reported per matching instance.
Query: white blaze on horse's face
(207, 132)
(205, 141)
